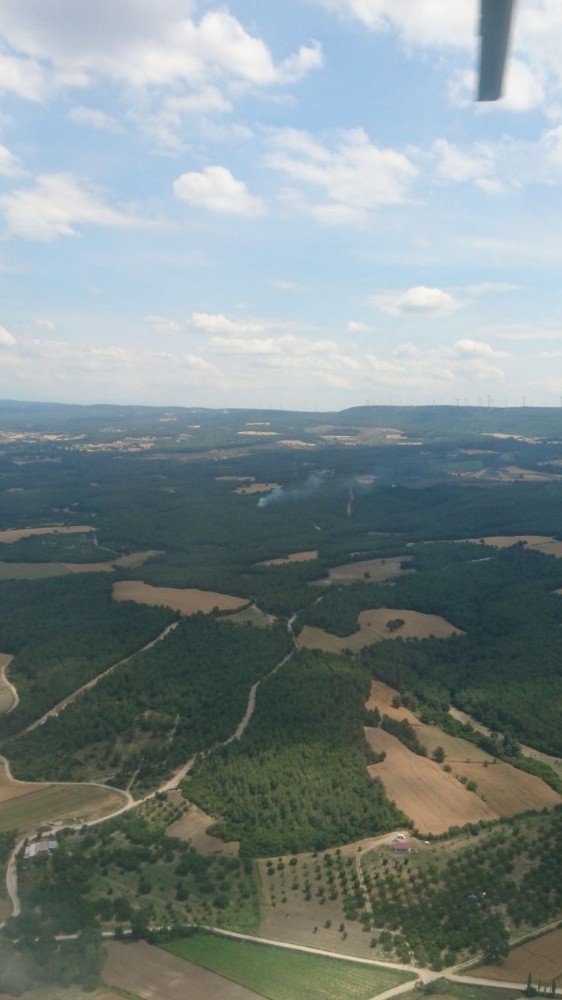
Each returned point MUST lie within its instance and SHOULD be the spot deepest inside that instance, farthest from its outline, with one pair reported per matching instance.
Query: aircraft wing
(495, 24)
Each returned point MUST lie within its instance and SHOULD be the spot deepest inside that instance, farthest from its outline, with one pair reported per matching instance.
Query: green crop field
(278, 974)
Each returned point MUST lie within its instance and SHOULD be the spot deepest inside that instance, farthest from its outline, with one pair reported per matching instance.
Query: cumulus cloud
(7, 339)
(94, 118)
(218, 323)
(434, 22)
(352, 177)
(417, 301)
(55, 205)
(217, 190)
(457, 165)
(153, 48)
(9, 164)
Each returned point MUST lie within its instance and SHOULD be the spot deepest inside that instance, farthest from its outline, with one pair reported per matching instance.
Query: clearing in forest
(428, 795)
(187, 601)
(256, 488)
(373, 626)
(282, 974)
(508, 790)
(192, 827)
(540, 543)
(542, 957)
(294, 557)
(369, 569)
(37, 571)
(26, 805)
(10, 535)
(153, 974)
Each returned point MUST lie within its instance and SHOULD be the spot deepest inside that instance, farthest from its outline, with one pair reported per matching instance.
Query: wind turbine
(495, 26)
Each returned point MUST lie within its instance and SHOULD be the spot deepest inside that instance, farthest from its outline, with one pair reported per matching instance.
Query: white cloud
(355, 326)
(418, 301)
(354, 177)
(287, 286)
(46, 324)
(456, 165)
(161, 326)
(95, 118)
(217, 323)
(7, 339)
(477, 349)
(55, 205)
(9, 164)
(217, 190)
(433, 22)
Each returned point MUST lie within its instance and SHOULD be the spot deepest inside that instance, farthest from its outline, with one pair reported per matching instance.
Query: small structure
(40, 848)
(401, 846)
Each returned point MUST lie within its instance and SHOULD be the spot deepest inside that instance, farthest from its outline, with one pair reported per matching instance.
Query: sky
(290, 203)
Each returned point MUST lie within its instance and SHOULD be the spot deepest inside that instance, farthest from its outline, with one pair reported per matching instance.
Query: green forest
(185, 694)
(298, 780)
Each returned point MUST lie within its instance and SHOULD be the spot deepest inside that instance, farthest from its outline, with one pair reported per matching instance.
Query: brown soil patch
(14, 534)
(187, 601)
(27, 805)
(156, 975)
(256, 488)
(137, 558)
(373, 628)
(541, 957)
(193, 827)
(7, 698)
(377, 569)
(429, 796)
(508, 790)
(294, 557)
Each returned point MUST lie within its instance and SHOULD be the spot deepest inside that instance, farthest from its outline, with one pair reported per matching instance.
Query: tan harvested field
(429, 796)
(153, 974)
(32, 571)
(256, 488)
(294, 557)
(381, 697)
(554, 762)
(187, 601)
(508, 790)
(377, 569)
(8, 696)
(193, 827)
(14, 534)
(541, 957)
(372, 628)
(28, 805)
(542, 543)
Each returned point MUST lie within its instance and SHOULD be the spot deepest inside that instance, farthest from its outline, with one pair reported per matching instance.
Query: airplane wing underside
(495, 24)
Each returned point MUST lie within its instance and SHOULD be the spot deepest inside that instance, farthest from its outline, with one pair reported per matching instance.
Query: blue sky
(287, 203)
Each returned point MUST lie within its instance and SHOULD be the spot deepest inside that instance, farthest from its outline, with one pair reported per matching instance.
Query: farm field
(294, 557)
(72, 993)
(27, 805)
(447, 990)
(154, 974)
(433, 799)
(368, 569)
(38, 571)
(187, 601)
(546, 758)
(192, 827)
(542, 957)
(8, 699)
(279, 974)
(373, 628)
(507, 790)
(10, 535)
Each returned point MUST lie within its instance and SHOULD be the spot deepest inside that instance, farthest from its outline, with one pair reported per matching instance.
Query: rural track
(8, 684)
(71, 698)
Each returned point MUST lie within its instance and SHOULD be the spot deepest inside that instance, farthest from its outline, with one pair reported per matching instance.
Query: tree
(438, 755)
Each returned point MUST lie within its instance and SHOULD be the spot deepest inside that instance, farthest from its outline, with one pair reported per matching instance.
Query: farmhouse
(39, 848)
(401, 846)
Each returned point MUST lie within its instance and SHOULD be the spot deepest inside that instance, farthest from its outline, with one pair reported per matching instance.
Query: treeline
(77, 548)
(185, 694)
(64, 631)
(298, 781)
